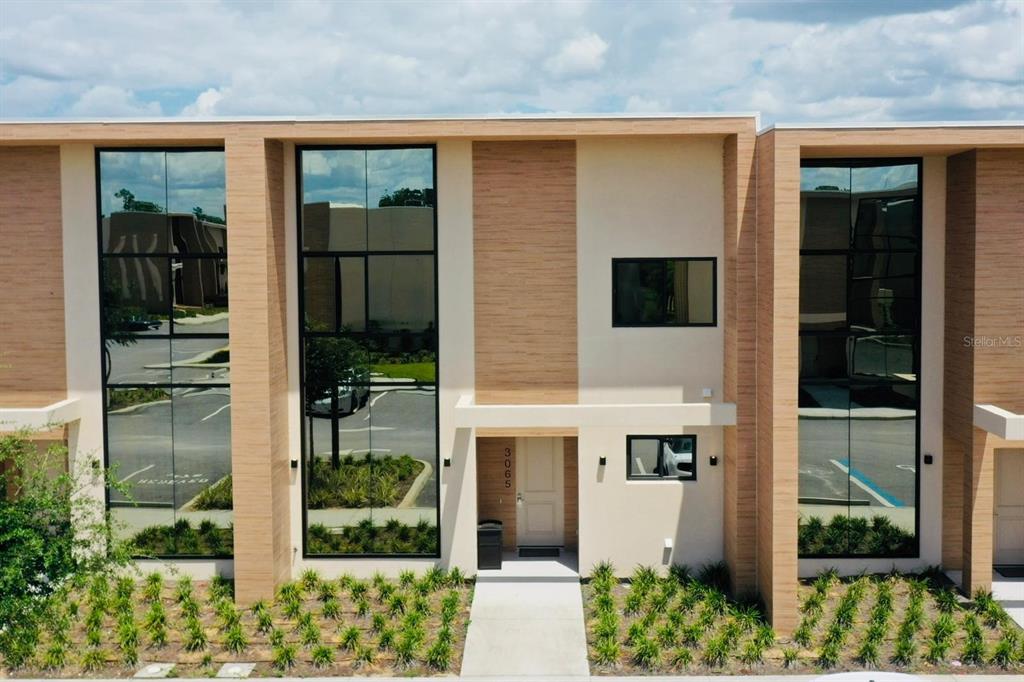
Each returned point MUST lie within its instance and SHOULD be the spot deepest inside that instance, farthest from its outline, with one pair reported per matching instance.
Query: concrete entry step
(527, 620)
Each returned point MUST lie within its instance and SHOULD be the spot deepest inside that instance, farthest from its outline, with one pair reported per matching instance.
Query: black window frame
(630, 476)
(101, 257)
(852, 383)
(618, 324)
(305, 334)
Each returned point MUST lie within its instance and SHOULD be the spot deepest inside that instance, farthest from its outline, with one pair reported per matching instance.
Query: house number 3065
(508, 467)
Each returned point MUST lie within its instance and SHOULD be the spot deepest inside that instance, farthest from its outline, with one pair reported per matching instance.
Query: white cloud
(110, 100)
(225, 58)
(205, 104)
(579, 56)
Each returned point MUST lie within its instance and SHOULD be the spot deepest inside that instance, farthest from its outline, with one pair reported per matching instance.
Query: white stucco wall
(933, 227)
(644, 198)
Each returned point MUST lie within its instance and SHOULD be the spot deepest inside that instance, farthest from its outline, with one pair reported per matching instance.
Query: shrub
(607, 650)
(285, 656)
(364, 656)
(56, 656)
(439, 656)
(682, 658)
(790, 657)
(828, 657)
(214, 496)
(331, 609)
(322, 656)
(350, 637)
(646, 653)
(276, 637)
(716, 652)
(195, 636)
(752, 653)
(153, 587)
(386, 639)
(309, 635)
(327, 591)
(715, 575)
(94, 659)
(40, 551)
(1005, 652)
(235, 639)
(310, 580)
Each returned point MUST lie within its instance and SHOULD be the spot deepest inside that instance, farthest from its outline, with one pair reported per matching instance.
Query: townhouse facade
(343, 344)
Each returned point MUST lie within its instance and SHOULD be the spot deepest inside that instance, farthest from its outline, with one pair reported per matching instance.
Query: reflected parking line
(216, 412)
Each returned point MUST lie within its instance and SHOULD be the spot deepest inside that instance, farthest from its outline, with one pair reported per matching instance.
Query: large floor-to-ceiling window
(860, 244)
(368, 312)
(165, 361)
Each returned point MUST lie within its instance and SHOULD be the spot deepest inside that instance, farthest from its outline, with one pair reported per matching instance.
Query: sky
(796, 61)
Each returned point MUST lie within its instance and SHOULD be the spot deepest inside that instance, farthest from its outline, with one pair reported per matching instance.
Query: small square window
(664, 292)
(662, 457)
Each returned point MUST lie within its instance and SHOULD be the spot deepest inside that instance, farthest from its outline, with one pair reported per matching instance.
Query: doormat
(1010, 571)
(535, 552)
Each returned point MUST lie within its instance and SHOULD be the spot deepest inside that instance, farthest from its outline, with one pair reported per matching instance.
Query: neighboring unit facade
(341, 345)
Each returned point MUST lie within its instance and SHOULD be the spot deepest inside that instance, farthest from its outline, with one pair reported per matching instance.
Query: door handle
(519, 498)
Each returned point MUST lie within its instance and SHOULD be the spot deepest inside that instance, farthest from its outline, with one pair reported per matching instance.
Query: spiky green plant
(153, 587)
(439, 655)
(350, 638)
(386, 639)
(607, 651)
(235, 639)
(285, 656)
(196, 638)
(276, 637)
(93, 659)
(309, 635)
(322, 656)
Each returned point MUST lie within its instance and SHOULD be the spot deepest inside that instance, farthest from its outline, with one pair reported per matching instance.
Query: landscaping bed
(361, 482)
(685, 624)
(414, 625)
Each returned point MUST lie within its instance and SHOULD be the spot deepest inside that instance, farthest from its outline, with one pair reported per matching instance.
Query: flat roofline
(554, 116)
(882, 125)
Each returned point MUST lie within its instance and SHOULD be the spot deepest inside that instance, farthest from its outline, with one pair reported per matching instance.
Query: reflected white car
(675, 463)
(351, 396)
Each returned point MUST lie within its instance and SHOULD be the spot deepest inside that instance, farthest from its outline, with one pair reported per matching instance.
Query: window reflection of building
(369, 338)
(859, 328)
(166, 361)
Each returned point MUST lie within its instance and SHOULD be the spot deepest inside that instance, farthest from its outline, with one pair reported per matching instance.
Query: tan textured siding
(778, 192)
(740, 381)
(524, 246)
(495, 457)
(984, 303)
(32, 360)
(259, 418)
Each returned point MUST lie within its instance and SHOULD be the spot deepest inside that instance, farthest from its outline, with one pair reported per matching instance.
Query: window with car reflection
(369, 350)
(860, 243)
(165, 360)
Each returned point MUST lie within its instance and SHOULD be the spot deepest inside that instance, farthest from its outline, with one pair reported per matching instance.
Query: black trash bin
(488, 544)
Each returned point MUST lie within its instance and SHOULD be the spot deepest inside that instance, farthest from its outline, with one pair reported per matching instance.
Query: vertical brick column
(985, 308)
(259, 382)
(740, 382)
(778, 307)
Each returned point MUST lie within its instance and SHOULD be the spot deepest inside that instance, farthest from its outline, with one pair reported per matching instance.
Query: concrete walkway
(527, 620)
(1009, 592)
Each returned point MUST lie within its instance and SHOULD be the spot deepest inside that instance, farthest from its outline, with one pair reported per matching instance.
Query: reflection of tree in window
(330, 363)
(130, 204)
(406, 196)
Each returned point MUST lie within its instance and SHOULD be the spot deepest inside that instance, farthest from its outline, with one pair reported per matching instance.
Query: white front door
(1009, 508)
(540, 491)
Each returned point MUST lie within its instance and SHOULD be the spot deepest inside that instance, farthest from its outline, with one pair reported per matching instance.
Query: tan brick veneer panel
(524, 246)
(32, 360)
(572, 489)
(984, 300)
(778, 281)
(494, 500)
(740, 330)
(259, 382)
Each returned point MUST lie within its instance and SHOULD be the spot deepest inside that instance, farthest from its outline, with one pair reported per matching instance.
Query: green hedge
(853, 535)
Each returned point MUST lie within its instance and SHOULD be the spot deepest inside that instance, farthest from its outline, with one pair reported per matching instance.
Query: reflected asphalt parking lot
(402, 422)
